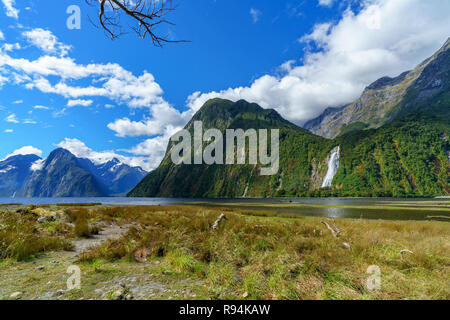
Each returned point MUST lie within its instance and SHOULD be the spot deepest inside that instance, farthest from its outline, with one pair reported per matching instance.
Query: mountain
(117, 177)
(13, 172)
(62, 174)
(300, 153)
(409, 156)
(388, 98)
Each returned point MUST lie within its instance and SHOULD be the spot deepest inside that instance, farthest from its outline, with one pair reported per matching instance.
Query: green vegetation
(259, 256)
(22, 238)
(406, 158)
(402, 159)
(172, 252)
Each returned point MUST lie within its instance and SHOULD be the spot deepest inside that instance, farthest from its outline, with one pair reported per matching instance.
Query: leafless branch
(146, 15)
(334, 231)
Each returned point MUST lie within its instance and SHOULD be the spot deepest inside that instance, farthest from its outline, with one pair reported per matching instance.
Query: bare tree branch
(147, 15)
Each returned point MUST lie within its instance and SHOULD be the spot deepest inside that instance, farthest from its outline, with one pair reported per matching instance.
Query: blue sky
(101, 98)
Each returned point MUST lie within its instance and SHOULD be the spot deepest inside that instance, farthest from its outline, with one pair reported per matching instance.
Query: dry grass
(21, 238)
(270, 257)
(253, 254)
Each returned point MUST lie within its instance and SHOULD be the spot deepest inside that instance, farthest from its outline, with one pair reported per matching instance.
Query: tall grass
(267, 257)
(20, 238)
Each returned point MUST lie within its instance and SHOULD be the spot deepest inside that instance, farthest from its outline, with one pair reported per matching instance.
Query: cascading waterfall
(333, 166)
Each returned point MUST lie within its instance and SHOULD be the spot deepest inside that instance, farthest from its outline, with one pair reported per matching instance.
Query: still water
(366, 208)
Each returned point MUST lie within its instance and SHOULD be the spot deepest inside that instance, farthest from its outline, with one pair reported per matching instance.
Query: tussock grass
(21, 238)
(80, 216)
(263, 256)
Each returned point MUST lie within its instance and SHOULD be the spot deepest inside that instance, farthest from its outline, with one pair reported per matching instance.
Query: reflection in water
(335, 213)
(367, 208)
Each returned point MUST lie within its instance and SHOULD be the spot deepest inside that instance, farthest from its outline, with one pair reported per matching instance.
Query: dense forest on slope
(408, 157)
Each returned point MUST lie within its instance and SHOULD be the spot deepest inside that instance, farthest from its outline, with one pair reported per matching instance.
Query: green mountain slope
(298, 150)
(408, 157)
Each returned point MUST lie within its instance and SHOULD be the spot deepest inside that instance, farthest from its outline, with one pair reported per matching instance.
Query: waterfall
(333, 166)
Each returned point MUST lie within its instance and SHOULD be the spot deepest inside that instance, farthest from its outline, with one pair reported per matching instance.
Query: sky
(124, 98)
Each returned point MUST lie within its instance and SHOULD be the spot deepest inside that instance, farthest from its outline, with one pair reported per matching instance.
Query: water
(367, 208)
(333, 166)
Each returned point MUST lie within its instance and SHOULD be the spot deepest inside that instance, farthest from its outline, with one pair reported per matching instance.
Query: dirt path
(110, 232)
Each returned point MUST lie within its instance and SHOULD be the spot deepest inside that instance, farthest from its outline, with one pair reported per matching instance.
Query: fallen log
(217, 222)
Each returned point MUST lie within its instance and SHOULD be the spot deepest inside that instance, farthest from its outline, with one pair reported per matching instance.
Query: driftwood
(406, 251)
(334, 231)
(437, 217)
(216, 224)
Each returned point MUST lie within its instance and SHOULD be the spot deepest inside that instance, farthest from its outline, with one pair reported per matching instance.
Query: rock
(39, 268)
(43, 219)
(118, 294)
(98, 291)
(57, 293)
(346, 245)
(245, 295)
(15, 295)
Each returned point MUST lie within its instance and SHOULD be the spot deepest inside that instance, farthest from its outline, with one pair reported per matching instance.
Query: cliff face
(388, 98)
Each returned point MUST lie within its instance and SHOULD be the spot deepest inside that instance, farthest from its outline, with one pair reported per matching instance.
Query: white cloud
(8, 131)
(24, 151)
(46, 41)
(18, 102)
(29, 121)
(80, 150)
(255, 14)
(2, 36)
(39, 107)
(79, 102)
(163, 118)
(12, 118)
(10, 46)
(348, 55)
(326, 3)
(11, 11)
(37, 165)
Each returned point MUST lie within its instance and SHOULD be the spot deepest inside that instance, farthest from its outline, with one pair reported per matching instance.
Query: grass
(266, 257)
(252, 255)
(21, 238)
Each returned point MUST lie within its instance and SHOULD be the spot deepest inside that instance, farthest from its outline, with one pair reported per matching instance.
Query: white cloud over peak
(24, 151)
(11, 11)
(80, 150)
(384, 38)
